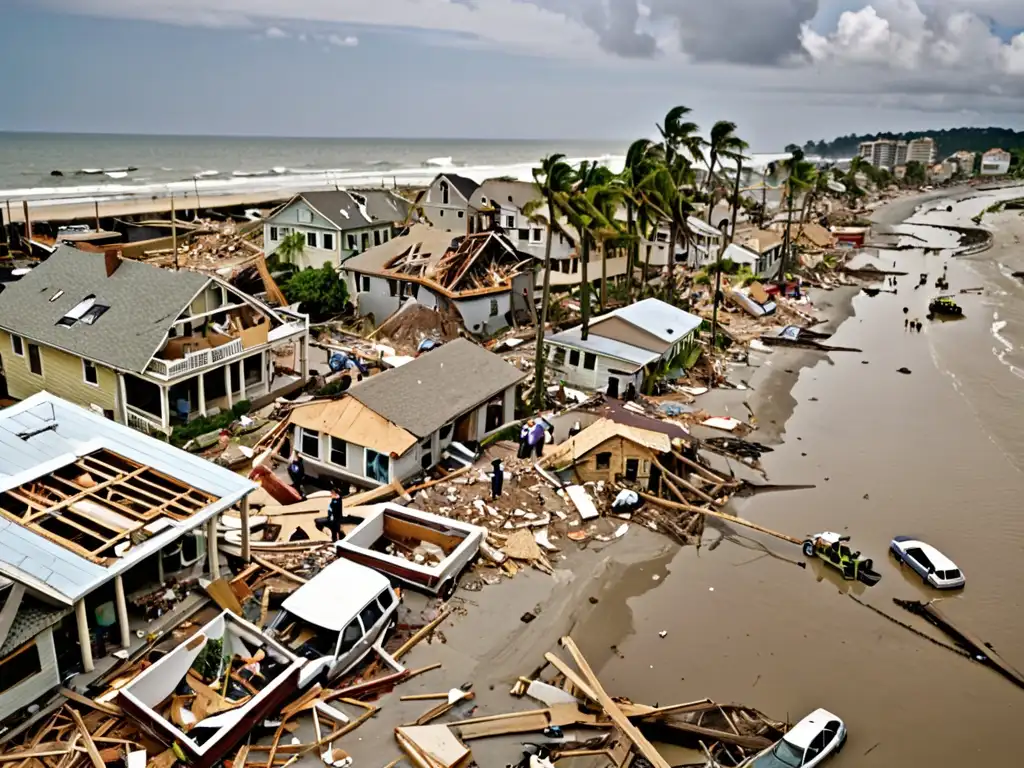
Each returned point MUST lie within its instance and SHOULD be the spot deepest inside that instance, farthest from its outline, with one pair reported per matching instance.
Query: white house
(91, 514)
(621, 346)
(482, 276)
(336, 224)
(995, 162)
(397, 424)
(449, 203)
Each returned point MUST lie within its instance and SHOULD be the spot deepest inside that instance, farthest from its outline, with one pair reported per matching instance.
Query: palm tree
(607, 198)
(292, 246)
(726, 240)
(670, 203)
(642, 161)
(586, 218)
(799, 176)
(724, 143)
(678, 134)
(554, 179)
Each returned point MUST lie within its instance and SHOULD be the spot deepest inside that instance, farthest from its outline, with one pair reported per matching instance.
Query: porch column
(123, 387)
(241, 379)
(244, 508)
(122, 612)
(227, 384)
(211, 548)
(83, 636)
(202, 394)
(508, 412)
(165, 419)
(304, 358)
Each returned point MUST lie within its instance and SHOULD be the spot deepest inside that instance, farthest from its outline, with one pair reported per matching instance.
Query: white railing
(195, 361)
(143, 421)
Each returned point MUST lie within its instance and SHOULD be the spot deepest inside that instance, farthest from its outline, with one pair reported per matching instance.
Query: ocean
(86, 167)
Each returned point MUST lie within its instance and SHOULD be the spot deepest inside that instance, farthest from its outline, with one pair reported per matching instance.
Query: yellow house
(145, 346)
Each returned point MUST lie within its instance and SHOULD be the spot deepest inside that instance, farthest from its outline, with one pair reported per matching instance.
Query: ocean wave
(206, 174)
(438, 161)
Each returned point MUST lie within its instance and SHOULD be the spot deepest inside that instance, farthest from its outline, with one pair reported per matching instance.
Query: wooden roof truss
(100, 501)
(481, 260)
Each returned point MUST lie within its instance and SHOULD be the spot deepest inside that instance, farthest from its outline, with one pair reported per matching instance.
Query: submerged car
(806, 744)
(945, 305)
(931, 565)
(835, 550)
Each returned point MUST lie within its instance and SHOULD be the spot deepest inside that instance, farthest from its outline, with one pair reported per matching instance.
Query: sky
(783, 70)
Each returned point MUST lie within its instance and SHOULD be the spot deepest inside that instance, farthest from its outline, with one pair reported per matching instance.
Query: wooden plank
(571, 676)
(279, 571)
(220, 592)
(629, 730)
(720, 515)
(85, 701)
(421, 633)
(90, 745)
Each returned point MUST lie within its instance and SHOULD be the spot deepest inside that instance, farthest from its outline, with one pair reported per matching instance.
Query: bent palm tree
(291, 247)
(586, 218)
(554, 179)
(642, 161)
(799, 176)
(724, 143)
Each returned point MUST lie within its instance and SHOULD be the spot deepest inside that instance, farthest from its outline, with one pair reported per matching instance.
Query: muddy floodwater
(935, 454)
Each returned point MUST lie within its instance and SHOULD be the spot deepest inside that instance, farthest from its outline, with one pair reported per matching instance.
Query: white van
(335, 619)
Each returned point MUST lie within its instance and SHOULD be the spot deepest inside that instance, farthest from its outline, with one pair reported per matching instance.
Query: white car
(931, 565)
(806, 744)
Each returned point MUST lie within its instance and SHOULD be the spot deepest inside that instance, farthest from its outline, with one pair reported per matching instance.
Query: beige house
(145, 346)
(608, 451)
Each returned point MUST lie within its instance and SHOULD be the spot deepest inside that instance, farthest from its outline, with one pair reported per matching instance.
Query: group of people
(911, 325)
(531, 439)
(336, 516)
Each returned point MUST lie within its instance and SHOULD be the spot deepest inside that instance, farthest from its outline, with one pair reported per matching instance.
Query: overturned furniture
(206, 695)
(423, 550)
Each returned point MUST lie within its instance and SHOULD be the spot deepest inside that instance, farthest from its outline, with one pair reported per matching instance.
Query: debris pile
(413, 323)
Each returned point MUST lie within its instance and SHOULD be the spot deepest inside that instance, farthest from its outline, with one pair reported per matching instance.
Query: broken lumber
(85, 701)
(629, 730)
(700, 469)
(421, 633)
(90, 745)
(721, 515)
(279, 571)
(688, 486)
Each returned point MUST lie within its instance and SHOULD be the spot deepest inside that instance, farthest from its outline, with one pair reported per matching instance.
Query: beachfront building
(399, 423)
(336, 225)
(922, 151)
(622, 347)
(481, 276)
(884, 153)
(995, 162)
(145, 346)
(92, 516)
(766, 246)
(964, 162)
(448, 204)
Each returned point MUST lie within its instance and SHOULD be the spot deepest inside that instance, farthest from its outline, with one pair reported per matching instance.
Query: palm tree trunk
(604, 273)
(641, 228)
(671, 277)
(631, 255)
(721, 252)
(786, 240)
(584, 286)
(539, 386)
(709, 187)
(764, 197)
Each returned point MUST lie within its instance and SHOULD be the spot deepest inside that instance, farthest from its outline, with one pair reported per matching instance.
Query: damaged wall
(31, 688)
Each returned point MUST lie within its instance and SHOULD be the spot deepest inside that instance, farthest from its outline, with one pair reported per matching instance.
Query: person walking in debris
(919, 326)
(537, 438)
(524, 445)
(497, 478)
(297, 472)
(336, 516)
(906, 310)
(575, 429)
(906, 323)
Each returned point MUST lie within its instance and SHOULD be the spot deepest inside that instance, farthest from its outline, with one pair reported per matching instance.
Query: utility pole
(174, 233)
(726, 239)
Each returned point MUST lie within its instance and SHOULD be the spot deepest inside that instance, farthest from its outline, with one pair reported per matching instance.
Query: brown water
(935, 454)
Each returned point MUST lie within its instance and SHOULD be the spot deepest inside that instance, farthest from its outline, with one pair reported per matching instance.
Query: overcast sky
(784, 70)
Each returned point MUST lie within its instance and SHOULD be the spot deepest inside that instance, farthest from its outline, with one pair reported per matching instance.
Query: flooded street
(936, 454)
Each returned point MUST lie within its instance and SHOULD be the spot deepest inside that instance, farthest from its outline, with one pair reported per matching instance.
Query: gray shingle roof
(33, 617)
(144, 300)
(466, 186)
(339, 207)
(384, 205)
(432, 390)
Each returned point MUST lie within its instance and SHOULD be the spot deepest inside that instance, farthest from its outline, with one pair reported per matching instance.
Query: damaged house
(97, 524)
(145, 346)
(449, 203)
(336, 224)
(622, 347)
(482, 276)
(398, 424)
(608, 451)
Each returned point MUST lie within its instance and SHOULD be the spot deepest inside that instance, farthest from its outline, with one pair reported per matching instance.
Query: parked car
(931, 565)
(335, 619)
(834, 549)
(806, 744)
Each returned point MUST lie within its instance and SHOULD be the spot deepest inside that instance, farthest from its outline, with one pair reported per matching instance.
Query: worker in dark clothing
(336, 516)
(297, 472)
(524, 444)
(497, 478)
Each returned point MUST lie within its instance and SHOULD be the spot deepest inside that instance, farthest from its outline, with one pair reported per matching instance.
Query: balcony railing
(143, 421)
(195, 361)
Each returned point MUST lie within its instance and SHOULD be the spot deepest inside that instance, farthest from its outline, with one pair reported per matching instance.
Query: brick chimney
(112, 260)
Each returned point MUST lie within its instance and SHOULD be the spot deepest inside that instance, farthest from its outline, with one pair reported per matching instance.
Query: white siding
(596, 379)
(32, 688)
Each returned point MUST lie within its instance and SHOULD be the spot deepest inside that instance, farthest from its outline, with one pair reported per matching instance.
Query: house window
(392, 287)
(35, 359)
(89, 373)
(461, 214)
(365, 280)
(273, 233)
(589, 361)
(444, 192)
(339, 452)
(604, 460)
(510, 221)
(574, 358)
(537, 235)
(377, 466)
(575, 266)
(559, 358)
(414, 289)
(494, 307)
(19, 666)
(17, 345)
(311, 239)
(387, 235)
(304, 216)
(310, 443)
(446, 431)
(376, 237)
(352, 242)
(524, 235)
(328, 241)
(366, 240)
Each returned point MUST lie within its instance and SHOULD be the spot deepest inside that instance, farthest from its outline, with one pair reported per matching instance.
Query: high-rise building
(884, 153)
(922, 151)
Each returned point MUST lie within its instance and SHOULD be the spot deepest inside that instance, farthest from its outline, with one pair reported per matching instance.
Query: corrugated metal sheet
(45, 432)
(668, 323)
